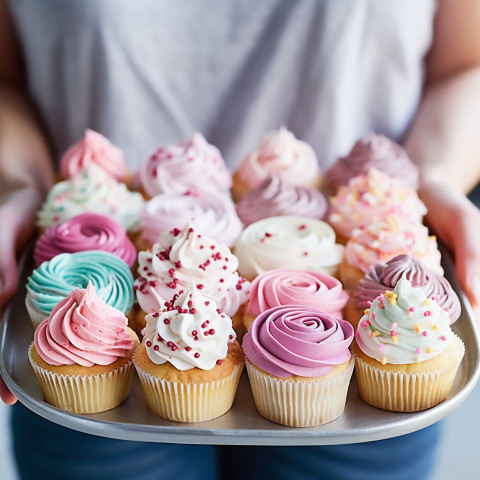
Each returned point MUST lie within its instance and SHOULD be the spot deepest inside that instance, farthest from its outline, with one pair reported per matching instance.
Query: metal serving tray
(242, 425)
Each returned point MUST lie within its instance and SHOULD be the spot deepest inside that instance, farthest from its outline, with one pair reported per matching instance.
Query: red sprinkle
(166, 321)
(155, 347)
(196, 355)
(149, 343)
(219, 362)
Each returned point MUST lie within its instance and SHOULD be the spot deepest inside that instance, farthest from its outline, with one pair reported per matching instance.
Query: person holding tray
(149, 73)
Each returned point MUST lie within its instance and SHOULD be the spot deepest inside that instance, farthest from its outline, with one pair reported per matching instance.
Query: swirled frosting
(382, 277)
(288, 242)
(182, 256)
(190, 331)
(386, 239)
(296, 287)
(276, 196)
(370, 198)
(281, 153)
(52, 281)
(189, 166)
(403, 326)
(87, 231)
(91, 190)
(213, 214)
(82, 329)
(377, 151)
(93, 148)
(297, 340)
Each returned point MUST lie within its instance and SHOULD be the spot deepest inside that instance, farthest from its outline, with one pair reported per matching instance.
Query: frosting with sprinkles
(403, 326)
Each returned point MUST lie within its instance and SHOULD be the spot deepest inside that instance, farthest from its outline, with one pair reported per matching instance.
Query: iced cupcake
(406, 354)
(382, 277)
(87, 231)
(276, 196)
(182, 256)
(370, 198)
(299, 365)
(279, 153)
(294, 287)
(213, 214)
(189, 363)
(376, 151)
(190, 166)
(52, 281)
(291, 242)
(91, 190)
(95, 148)
(82, 354)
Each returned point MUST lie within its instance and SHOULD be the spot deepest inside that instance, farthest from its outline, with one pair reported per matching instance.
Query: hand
(456, 221)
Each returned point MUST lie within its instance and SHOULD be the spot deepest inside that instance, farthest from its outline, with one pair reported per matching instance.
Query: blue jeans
(45, 450)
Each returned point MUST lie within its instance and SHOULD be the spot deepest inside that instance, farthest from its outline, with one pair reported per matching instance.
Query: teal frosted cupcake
(54, 280)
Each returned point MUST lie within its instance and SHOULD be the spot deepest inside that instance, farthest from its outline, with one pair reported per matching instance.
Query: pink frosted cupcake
(370, 198)
(212, 213)
(377, 151)
(189, 166)
(279, 153)
(294, 287)
(87, 231)
(82, 354)
(95, 148)
(299, 365)
(276, 196)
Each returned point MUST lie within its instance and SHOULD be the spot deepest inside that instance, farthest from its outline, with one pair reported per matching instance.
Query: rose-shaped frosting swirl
(87, 231)
(54, 280)
(213, 214)
(296, 287)
(297, 340)
(281, 153)
(403, 326)
(382, 277)
(193, 166)
(370, 198)
(386, 239)
(93, 148)
(276, 196)
(182, 256)
(374, 151)
(288, 242)
(91, 190)
(190, 331)
(82, 329)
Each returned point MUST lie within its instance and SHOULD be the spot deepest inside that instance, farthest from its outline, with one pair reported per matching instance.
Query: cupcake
(406, 354)
(91, 190)
(382, 277)
(182, 256)
(82, 354)
(95, 148)
(383, 241)
(370, 198)
(52, 281)
(189, 363)
(299, 365)
(377, 151)
(278, 153)
(294, 287)
(291, 242)
(87, 231)
(190, 166)
(276, 196)
(213, 213)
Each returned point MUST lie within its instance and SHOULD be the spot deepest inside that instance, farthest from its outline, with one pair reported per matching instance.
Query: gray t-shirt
(149, 72)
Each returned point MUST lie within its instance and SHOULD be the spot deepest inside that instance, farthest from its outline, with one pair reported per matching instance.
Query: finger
(6, 395)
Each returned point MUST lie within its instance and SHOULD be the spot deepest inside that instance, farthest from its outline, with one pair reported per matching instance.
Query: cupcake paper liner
(194, 402)
(306, 403)
(84, 393)
(36, 315)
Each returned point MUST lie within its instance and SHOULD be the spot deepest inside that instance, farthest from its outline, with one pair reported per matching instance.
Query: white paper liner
(84, 393)
(303, 403)
(404, 392)
(36, 315)
(181, 402)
